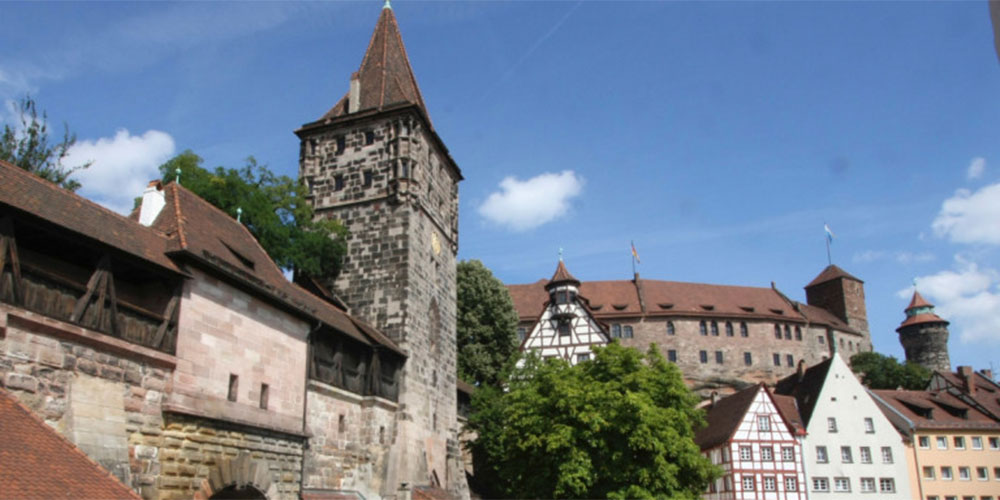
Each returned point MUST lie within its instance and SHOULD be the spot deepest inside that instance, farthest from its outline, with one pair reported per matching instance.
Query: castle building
(718, 335)
(850, 448)
(924, 335)
(755, 437)
(375, 162)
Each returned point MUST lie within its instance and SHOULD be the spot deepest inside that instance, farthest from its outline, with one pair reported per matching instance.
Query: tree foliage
(878, 371)
(618, 426)
(486, 324)
(28, 146)
(273, 208)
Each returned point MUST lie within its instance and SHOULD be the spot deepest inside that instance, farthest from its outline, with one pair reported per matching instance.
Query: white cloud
(122, 166)
(913, 258)
(968, 297)
(904, 258)
(868, 256)
(969, 217)
(976, 168)
(522, 205)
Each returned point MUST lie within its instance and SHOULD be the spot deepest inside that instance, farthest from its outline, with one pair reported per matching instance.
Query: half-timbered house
(566, 328)
(755, 437)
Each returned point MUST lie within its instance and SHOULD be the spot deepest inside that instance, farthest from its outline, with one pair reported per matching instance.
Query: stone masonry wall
(351, 440)
(103, 399)
(927, 345)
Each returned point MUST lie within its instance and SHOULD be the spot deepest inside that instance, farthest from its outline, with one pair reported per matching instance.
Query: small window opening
(743, 330)
(368, 178)
(234, 383)
(341, 423)
(341, 144)
(338, 182)
(381, 434)
(369, 137)
(670, 328)
(718, 357)
(264, 389)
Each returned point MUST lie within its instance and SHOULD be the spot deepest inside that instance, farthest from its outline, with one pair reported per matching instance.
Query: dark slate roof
(29, 193)
(805, 387)
(385, 75)
(38, 463)
(200, 230)
(724, 418)
(831, 272)
(936, 410)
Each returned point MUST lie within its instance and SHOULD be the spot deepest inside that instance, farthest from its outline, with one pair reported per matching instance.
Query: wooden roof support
(8, 253)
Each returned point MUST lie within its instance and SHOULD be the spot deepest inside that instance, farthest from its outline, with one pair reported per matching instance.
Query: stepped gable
(920, 311)
(203, 232)
(38, 463)
(385, 77)
(804, 386)
(725, 417)
(935, 410)
(831, 272)
(42, 199)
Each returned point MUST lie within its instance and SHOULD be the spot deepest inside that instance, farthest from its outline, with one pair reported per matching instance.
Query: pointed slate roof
(805, 387)
(37, 462)
(385, 76)
(831, 272)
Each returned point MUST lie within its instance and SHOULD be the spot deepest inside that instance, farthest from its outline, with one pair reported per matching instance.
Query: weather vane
(560, 254)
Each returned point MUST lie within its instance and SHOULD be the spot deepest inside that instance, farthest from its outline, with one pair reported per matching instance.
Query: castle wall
(927, 345)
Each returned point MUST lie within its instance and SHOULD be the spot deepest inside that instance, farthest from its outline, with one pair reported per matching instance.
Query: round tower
(924, 335)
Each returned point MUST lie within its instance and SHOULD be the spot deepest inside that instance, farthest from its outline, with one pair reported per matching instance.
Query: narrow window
(338, 182)
(341, 144)
(670, 328)
(845, 455)
(791, 483)
(777, 359)
(790, 360)
(703, 356)
(369, 137)
(820, 339)
(798, 333)
(715, 329)
(563, 327)
(627, 333)
(763, 424)
(368, 178)
(616, 331)
(821, 456)
(869, 425)
(381, 434)
(777, 331)
(886, 455)
(522, 332)
(831, 424)
(234, 382)
(788, 332)
(718, 357)
(703, 327)
(341, 424)
(866, 455)
(729, 329)
(263, 396)
(743, 330)
(747, 359)
(672, 356)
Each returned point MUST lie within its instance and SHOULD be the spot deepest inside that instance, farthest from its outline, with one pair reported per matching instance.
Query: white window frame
(763, 423)
(946, 473)
(865, 455)
(959, 442)
(767, 454)
(844, 482)
(883, 481)
(942, 440)
(749, 453)
(748, 483)
(821, 484)
(964, 473)
(977, 442)
(831, 424)
(770, 483)
(869, 425)
(846, 456)
(822, 457)
(791, 483)
(887, 455)
(787, 453)
(924, 442)
(868, 485)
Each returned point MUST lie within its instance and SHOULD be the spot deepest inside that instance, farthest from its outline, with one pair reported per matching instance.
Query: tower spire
(386, 5)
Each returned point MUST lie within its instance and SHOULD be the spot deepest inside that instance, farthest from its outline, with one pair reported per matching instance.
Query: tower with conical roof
(924, 335)
(375, 162)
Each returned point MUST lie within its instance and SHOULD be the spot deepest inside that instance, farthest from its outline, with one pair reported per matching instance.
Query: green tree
(619, 426)
(878, 371)
(27, 146)
(274, 209)
(486, 324)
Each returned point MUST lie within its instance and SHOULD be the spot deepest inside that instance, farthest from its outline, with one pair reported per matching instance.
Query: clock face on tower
(435, 243)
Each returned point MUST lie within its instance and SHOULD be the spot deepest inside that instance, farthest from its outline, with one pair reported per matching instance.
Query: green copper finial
(239, 213)
(178, 178)
(560, 254)
(387, 5)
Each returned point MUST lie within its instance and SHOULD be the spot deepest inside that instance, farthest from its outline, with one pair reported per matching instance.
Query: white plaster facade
(846, 418)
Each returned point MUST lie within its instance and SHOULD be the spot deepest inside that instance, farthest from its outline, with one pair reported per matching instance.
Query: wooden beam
(168, 317)
(96, 282)
(8, 246)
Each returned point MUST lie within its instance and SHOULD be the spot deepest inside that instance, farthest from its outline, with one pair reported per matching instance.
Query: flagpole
(633, 257)
(829, 259)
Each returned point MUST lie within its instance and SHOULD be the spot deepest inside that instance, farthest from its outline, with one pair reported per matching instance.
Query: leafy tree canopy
(273, 208)
(878, 371)
(618, 426)
(487, 324)
(27, 146)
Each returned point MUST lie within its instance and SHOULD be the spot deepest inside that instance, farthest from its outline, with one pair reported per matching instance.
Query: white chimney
(153, 201)
(354, 96)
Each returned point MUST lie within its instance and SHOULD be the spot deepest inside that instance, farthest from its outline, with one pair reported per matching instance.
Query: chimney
(354, 97)
(800, 370)
(715, 399)
(968, 379)
(153, 202)
(987, 373)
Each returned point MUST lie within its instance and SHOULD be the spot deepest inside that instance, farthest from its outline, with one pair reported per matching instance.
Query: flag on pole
(635, 255)
(829, 233)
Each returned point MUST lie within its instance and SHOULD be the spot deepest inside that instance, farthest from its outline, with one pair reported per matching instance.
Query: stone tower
(375, 162)
(842, 295)
(924, 335)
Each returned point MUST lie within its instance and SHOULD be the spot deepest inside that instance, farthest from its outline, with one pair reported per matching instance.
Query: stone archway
(241, 477)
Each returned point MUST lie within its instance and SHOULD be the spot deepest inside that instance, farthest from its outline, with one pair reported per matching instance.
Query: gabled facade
(851, 448)
(718, 335)
(565, 329)
(755, 437)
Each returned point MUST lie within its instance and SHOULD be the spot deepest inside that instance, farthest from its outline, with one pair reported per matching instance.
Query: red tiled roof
(724, 417)
(933, 410)
(831, 272)
(918, 301)
(789, 410)
(921, 318)
(199, 229)
(385, 76)
(562, 275)
(37, 463)
(620, 298)
(29, 193)
(987, 391)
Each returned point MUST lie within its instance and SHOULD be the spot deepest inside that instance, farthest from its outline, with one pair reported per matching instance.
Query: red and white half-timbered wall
(565, 329)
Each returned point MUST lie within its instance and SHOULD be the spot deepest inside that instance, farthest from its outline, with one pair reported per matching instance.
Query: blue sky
(718, 136)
